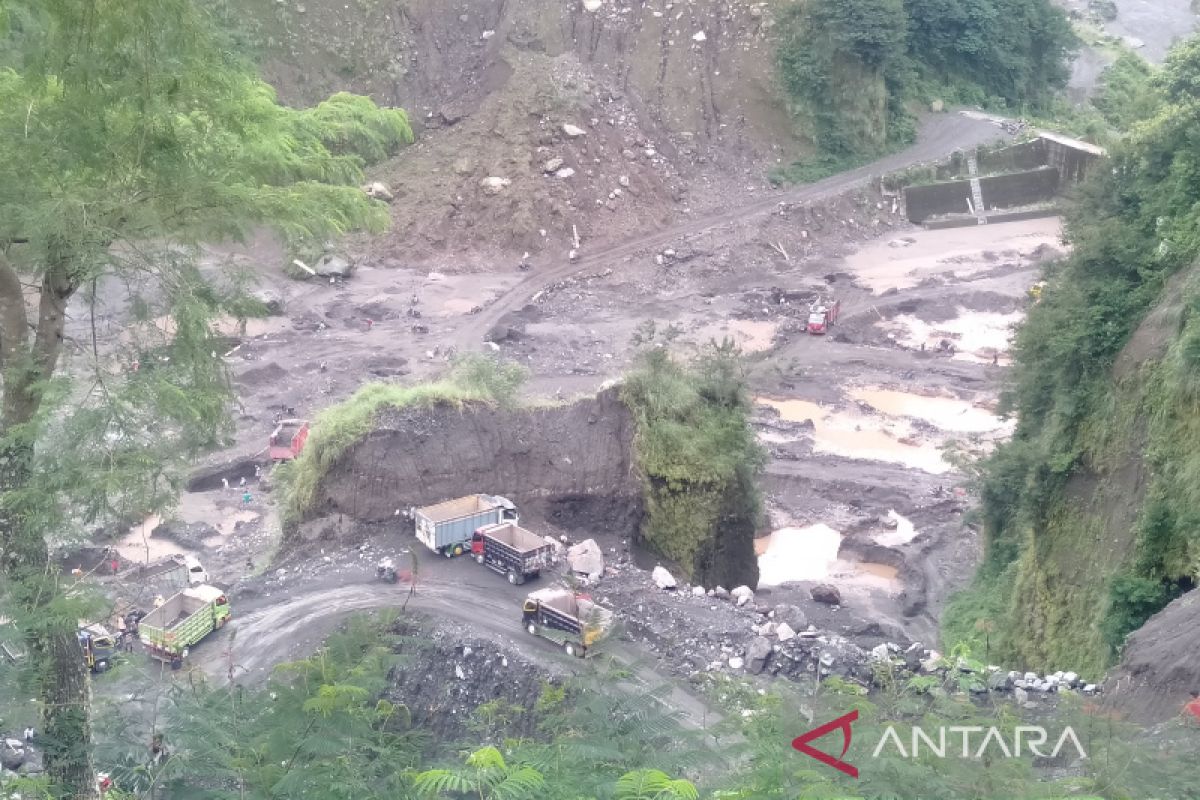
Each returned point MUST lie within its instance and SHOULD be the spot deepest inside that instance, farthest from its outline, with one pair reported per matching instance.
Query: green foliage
(696, 451)
(1135, 225)
(852, 68)
(653, 784)
(834, 57)
(486, 776)
(1125, 95)
(473, 379)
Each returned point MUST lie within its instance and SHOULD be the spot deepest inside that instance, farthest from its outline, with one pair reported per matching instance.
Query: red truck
(821, 317)
(512, 551)
(287, 440)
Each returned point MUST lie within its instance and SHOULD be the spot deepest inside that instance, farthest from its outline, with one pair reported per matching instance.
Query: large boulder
(586, 558)
(790, 615)
(662, 578)
(758, 654)
(12, 753)
(378, 190)
(826, 593)
(742, 595)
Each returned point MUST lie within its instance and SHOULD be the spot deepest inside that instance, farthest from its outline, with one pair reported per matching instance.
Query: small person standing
(246, 498)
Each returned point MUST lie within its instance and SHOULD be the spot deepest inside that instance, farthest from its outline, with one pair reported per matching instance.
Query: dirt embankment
(570, 466)
(670, 105)
(1160, 666)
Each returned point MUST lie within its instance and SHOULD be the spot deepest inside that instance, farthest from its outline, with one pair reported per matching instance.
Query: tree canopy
(130, 133)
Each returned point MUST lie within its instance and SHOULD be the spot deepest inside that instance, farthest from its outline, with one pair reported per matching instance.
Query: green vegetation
(852, 67)
(473, 378)
(698, 458)
(129, 134)
(1080, 549)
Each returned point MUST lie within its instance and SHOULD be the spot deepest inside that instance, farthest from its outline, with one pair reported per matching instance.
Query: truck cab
(98, 646)
(817, 323)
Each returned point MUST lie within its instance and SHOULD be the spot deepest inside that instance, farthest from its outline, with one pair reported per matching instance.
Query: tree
(129, 134)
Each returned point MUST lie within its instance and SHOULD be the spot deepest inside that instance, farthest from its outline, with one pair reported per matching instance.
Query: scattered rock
(785, 632)
(377, 190)
(881, 653)
(565, 172)
(758, 653)
(1020, 695)
(493, 184)
(573, 131)
(698, 36)
(553, 165)
(662, 578)
(742, 595)
(721, 593)
(736, 663)
(623, 181)
(586, 558)
(334, 266)
(271, 299)
(791, 615)
(592, 5)
(826, 593)
(698, 591)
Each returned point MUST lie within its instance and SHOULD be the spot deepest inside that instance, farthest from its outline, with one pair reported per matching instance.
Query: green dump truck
(182, 621)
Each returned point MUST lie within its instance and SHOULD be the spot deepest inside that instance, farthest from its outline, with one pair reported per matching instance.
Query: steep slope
(661, 91)
(1090, 511)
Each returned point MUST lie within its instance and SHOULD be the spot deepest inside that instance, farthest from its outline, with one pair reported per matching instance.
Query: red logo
(842, 723)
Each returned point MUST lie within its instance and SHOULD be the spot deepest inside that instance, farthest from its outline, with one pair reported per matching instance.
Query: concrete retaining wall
(1012, 190)
(923, 202)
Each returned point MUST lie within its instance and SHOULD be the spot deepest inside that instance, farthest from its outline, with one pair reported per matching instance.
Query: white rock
(624, 181)
(592, 5)
(1020, 695)
(458, 673)
(574, 131)
(565, 172)
(650, 152)
(1089, 688)
(698, 36)
(487, 35)
(379, 191)
(662, 578)
(785, 632)
(1071, 678)
(553, 165)
(1030, 677)
(698, 591)
(494, 184)
(736, 662)
(586, 558)
(880, 653)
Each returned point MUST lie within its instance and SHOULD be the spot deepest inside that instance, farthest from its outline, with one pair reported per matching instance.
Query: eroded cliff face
(672, 100)
(570, 465)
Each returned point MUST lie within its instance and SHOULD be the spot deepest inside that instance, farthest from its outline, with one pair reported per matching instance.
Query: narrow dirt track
(939, 136)
(258, 637)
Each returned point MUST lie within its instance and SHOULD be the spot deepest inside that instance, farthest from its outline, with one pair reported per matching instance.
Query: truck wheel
(512, 578)
(479, 558)
(448, 551)
(571, 649)
(532, 628)
(458, 551)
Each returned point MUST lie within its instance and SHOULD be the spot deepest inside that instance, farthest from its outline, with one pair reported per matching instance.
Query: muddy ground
(860, 493)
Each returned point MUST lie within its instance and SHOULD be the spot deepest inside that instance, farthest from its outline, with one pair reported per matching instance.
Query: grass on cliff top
(473, 378)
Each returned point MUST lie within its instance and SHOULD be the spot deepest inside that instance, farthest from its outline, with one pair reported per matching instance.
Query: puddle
(947, 413)
(878, 570)
(956, 252)
(854, 436)
(797, 554)
(752, 336)
(977, 335)
(139, 547)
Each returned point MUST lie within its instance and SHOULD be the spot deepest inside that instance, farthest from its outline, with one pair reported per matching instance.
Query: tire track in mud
(939, 137)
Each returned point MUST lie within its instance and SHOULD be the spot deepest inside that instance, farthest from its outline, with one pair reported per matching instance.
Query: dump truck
(288, 439)
(447, 527)
(182, 621)
(99, 647)
(571, 620)
(822, 316)
(512, 551)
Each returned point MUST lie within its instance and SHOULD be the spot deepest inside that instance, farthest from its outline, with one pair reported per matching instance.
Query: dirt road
(267, 630)
(939, 136)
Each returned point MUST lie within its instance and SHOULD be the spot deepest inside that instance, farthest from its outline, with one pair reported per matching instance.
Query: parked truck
(447, 527)
(571, 620)
(98, 645)
(822, 316)
(182, 621)
(512, 551)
